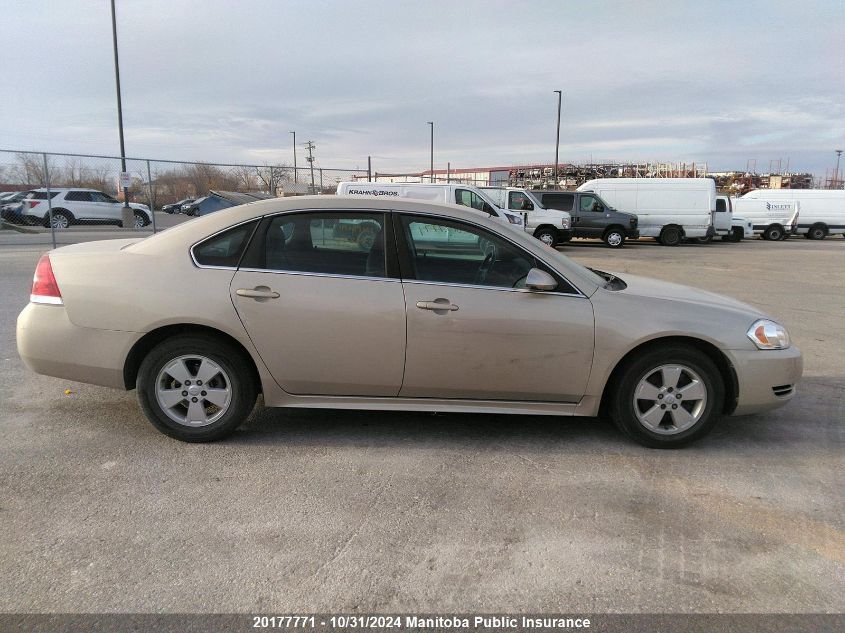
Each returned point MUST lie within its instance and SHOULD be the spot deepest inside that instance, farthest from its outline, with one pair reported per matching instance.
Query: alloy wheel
(193, 390)
(670, 399)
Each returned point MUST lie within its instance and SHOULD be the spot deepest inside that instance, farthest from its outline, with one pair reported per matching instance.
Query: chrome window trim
(496, 288)
(305, 273)
(511, 242)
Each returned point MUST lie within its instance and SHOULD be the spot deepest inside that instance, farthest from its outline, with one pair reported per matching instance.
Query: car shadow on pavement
(802, 424)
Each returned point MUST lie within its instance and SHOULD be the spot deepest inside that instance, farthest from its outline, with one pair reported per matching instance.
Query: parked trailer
(821, 211)
(772, 219)
(668, 209)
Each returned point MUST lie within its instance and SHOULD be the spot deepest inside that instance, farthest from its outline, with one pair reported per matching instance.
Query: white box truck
(668, 209)
(821, 212)
(773, 219)
(464, 195)
(550, 226)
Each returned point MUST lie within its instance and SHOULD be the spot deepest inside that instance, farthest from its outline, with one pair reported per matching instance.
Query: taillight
(44, 286)
(34, 203)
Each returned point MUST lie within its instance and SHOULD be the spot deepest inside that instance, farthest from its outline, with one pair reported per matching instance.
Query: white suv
(79, 205)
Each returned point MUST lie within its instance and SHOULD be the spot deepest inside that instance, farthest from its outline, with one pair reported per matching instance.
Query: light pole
(557, 138)
(836, 173)
(431, 167)
(128, 219)
(294, 157)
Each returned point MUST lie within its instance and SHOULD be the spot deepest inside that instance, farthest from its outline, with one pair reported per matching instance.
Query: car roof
(186, 234)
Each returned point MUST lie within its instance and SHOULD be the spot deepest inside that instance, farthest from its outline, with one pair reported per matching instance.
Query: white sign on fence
(124, 181)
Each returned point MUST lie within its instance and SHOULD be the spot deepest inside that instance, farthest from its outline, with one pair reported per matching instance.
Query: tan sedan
(367, 303)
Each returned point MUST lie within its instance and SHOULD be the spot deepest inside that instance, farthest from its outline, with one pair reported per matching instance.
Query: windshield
(534, 199)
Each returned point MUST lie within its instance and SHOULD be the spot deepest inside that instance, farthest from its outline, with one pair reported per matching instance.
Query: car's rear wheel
(668, 397)
(817, 232)
(60, 219)
(196, 388)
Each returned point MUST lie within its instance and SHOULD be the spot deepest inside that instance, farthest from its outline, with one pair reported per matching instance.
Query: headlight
(767, 334)
(513, 219)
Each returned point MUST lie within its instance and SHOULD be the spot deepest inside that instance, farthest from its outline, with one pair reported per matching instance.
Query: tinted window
(720, 205)
(226, 248)
(41, 195)
(453, 252)
(559, 201)
(98, 196)
(328, 243)
(78, 196)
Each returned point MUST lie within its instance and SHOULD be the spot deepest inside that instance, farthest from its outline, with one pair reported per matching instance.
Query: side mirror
(540, 280)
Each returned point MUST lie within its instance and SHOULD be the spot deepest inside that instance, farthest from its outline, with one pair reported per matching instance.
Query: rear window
(224, 249)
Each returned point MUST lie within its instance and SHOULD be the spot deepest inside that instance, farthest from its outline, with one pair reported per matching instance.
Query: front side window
(224, 249)
(98, 196)
(591, 203)
(720, 205)
(41, 195)
(519, 201)
(328, 243)
(469, 198)
(457, 253)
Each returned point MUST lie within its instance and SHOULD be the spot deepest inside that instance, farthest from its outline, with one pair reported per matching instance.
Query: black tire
(141, 219)
(237, 368)
(773, 233)
(547, 235)
(704, 240)
(817, 232)
(670, 236)
(614, 237)
(622, 403)
(736, 235)
(60, 216)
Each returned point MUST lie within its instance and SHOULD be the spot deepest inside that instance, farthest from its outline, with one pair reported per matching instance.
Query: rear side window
(224, 249)
(559, 201)
(78, 196)
(42, 195)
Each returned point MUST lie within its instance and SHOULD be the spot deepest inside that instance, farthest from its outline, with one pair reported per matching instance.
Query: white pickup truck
(728, 225)
(550, 226)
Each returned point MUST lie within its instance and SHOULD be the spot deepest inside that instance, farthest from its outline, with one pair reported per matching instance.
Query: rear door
(319, 295)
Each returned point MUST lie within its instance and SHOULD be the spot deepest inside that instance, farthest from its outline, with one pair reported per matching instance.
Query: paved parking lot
(415, 512)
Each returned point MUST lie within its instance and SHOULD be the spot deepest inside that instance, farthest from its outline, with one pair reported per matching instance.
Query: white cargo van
(821, 212)
(550, 226)
(464, 195)
(668, 209)
(773, 219)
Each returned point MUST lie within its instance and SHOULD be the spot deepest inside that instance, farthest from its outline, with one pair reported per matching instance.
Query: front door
(592, 219)
(474, 332)
(319, 304)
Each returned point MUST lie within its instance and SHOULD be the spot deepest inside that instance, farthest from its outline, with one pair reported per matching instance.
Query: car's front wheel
(140, 219)
(196, 388)
(547, 235)
(668, 397)
(614, 238)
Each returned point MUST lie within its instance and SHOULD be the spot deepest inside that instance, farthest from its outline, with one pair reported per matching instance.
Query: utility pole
(294, 157)
(310, 147)
(128, 219)
(431, 176)
(836, 173)
(557, 138)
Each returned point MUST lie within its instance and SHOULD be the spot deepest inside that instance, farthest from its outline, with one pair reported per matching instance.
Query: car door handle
(260, 292)
(437, 305)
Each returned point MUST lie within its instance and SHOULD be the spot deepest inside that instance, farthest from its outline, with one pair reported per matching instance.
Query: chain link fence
(51, 198)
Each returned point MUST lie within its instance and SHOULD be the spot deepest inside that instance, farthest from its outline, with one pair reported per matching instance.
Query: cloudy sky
(721, 82)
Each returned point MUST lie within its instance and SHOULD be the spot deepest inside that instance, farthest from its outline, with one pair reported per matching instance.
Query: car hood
(656, 289)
